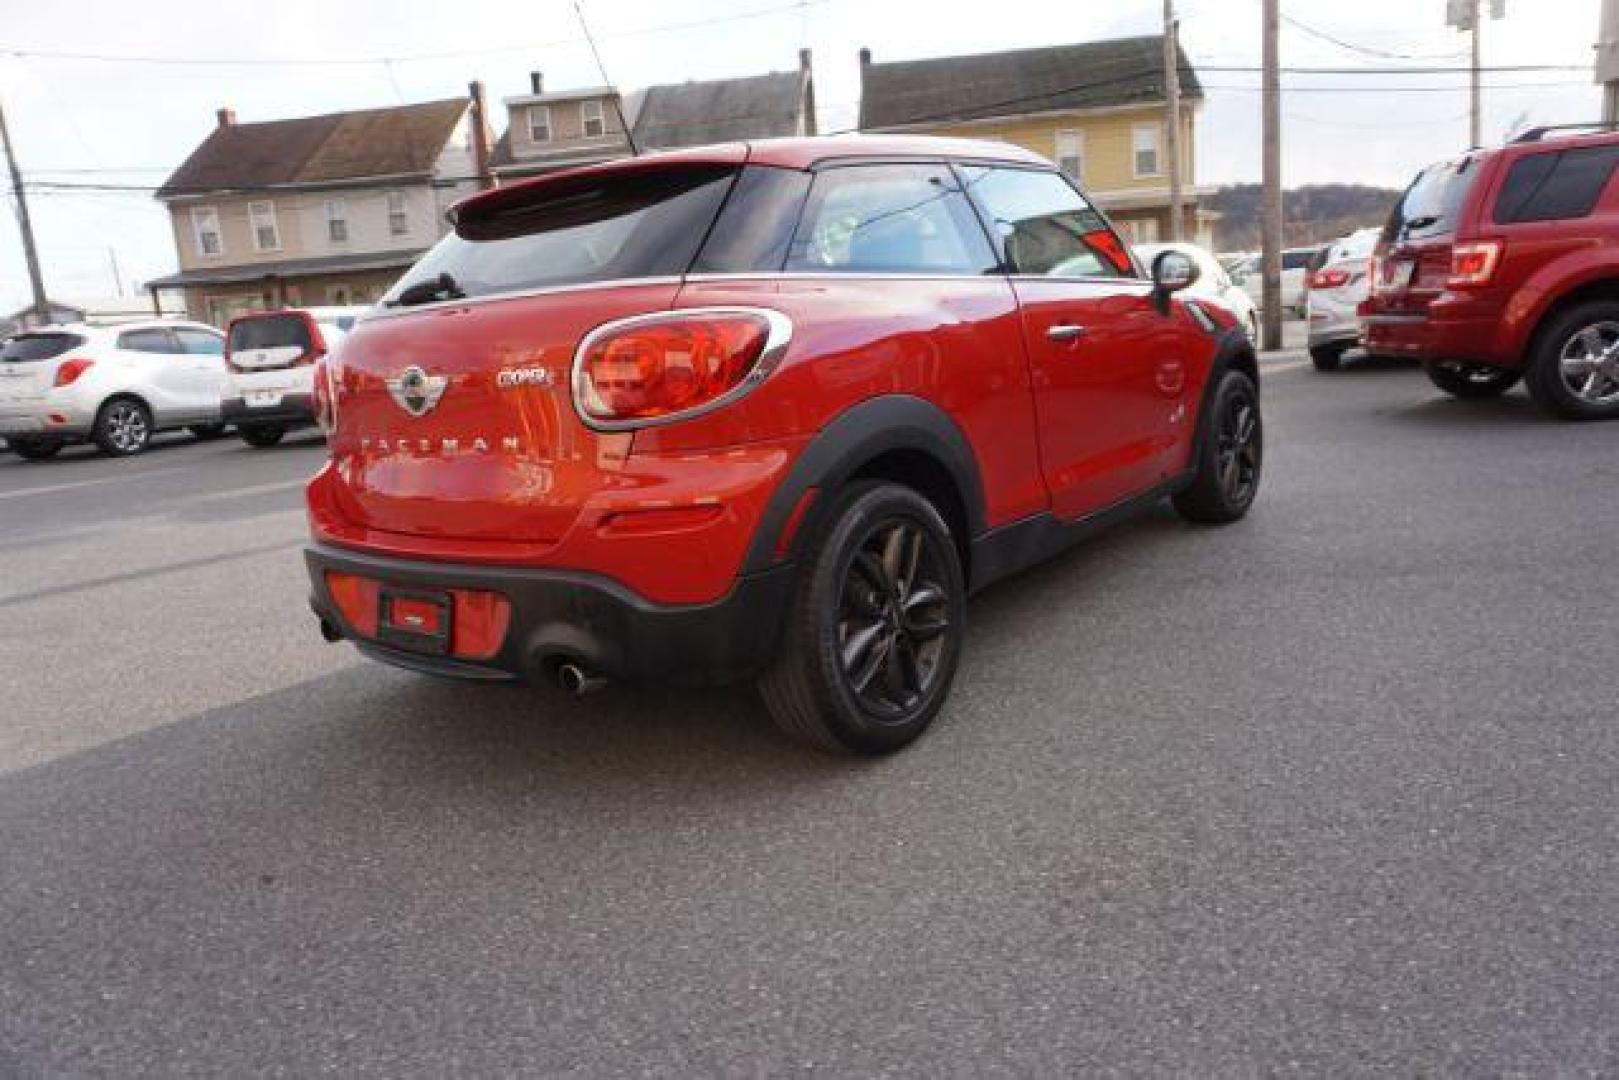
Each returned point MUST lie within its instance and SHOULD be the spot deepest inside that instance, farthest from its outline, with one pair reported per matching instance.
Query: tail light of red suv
(670, 366)
(1474, 264)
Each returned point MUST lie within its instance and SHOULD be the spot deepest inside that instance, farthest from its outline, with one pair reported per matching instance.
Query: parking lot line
(48, 489)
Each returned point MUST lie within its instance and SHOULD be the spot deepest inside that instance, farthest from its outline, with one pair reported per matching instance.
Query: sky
(119, 121)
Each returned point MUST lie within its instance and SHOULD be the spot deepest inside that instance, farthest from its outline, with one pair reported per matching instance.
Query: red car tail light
(656, 369)
(325, 414)
(69, 370)
(1474, 264)
(1329, 279)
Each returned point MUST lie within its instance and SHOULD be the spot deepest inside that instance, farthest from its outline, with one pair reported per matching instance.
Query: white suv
(271, 356)
(115, 386)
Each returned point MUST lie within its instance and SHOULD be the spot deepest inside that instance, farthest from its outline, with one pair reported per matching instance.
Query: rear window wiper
(443, 287)
(1421, 221)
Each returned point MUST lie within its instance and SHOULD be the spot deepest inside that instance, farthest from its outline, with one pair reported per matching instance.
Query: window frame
(1077, 135)
(335, 220)
(398, 218)
(254, 224)
(585, 119)
(1138, 274)
(1156, 129)
(534, 112)
(197, 231)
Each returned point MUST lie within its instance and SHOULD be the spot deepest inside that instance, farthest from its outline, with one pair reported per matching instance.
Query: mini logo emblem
(416, 391)
(513, 377)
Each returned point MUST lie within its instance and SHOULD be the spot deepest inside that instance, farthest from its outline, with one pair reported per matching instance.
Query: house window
(398, 223)
(1144, 139)
(1071, 154)
(539, 123)
(261, 215)
(590, 116)
(339, 295)
(337, 221)
(205, 230)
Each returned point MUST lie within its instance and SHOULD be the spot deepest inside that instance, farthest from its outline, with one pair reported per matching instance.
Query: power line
(1364, 49)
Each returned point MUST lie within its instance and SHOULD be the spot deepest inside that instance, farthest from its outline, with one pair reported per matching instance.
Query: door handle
(1065, 332)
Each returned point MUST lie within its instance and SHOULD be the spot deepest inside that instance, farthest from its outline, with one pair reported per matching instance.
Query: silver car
(112, 385)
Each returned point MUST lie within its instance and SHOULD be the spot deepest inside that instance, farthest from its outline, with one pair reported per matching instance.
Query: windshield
(1432, 203)
(270, 332)
(599, 227)
(39, 346)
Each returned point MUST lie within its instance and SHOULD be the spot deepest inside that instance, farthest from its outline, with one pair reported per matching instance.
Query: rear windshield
(269, 332)
(592, 228)
(1432, 203)
(39, 346)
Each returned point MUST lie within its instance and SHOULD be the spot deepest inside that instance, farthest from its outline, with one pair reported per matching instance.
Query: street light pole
(25, 225)
(1172, 126)
(1271, 228)
(1475, 136)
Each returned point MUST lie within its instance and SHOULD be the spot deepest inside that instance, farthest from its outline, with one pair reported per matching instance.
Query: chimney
(480, 135)
(865, 57)
(227, 116)
(536, 81)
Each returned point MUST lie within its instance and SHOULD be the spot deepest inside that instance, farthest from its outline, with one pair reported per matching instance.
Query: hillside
(1312, 214)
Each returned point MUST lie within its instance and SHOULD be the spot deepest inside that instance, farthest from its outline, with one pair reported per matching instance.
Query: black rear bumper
(569, 616)
(294, 410)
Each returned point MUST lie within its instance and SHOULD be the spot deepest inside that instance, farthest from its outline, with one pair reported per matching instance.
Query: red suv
(1504, 264)
(769, 408)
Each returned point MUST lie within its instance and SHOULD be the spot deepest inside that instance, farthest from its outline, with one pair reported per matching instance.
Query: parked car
(1503, 264)
(1295, 264)
(1213, 283)
(271, 356)
(115, 386)
(771, 408)
(1334, 289)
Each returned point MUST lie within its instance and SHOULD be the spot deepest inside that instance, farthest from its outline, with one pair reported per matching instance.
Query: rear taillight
(1474, 264)
(655, 369)
(322, 394)
(69, 370)
(1329, 279)
(314, 355)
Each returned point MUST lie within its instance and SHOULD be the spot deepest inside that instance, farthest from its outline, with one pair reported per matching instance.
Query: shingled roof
(1090, 75)
(394, 141)
(720, 110)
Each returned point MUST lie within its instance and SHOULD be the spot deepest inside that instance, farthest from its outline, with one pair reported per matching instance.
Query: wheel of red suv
(36, 449)
(875, 631)
(261, 435)
(1574, 368)
(1470, 380)
(123, 427)
(1230, 457)
(1327, 357)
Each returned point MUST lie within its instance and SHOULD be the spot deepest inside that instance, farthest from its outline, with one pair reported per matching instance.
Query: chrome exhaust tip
(577, 681)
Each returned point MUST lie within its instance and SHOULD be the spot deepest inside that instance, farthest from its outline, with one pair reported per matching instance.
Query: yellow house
(1097, 109)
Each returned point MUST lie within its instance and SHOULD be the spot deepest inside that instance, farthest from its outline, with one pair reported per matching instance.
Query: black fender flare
(1232, 350)
(855, 437)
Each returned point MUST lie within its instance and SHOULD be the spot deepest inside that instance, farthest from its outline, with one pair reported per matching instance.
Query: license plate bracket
(414, 619)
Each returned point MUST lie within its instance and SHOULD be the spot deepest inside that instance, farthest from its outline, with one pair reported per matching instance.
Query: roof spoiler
(1538, 134)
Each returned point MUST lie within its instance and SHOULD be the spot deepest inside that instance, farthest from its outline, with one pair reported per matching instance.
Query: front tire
(1574, 370)
(123, 427)
(36, 449)
(1471, 382)
(874, 635)
(1327, 357)
(1230, 457)
(261, 435)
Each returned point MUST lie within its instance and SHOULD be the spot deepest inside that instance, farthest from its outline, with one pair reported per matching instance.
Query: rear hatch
(1413, 262)
(28, 363)
(453, 414)
(273, 341)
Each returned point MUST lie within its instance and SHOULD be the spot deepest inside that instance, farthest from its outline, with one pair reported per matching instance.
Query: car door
(159, 372)
(205, 365)
(1106, 365)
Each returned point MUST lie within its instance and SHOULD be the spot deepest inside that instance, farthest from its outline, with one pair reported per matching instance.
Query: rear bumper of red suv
(1457, 330)
(562, 616)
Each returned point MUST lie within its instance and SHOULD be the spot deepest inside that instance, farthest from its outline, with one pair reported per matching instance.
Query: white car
(1295, 264)
(1213, 283)
(1336, 288)
(115, 386)
(271, 356)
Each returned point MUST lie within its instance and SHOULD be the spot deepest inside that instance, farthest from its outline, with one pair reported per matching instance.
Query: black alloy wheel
(893, 617)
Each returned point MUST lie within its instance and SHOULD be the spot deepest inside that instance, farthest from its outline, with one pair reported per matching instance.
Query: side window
(1555, 186)
(889, 219)
(1045, 227)
(200, 342)
(148, 341)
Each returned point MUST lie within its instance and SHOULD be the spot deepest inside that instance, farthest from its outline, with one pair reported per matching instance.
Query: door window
(889, 219)
(200, 342)
(1045, 227)
(1555, 186)
(149, 341)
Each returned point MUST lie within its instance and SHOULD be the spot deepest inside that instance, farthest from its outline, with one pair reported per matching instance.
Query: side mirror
(1172, 271)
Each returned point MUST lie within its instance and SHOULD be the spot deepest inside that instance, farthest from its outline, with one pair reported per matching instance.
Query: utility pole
(1475, 130)
(1271, 204)
(24, 224)
(1172, 126)
(1607, 65)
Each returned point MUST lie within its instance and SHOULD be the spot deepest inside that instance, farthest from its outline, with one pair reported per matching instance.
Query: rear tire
(123, 427)
(1470, 382)
(1567, 376)
(874, 634)
(1230, 457)
(36, 449)
(204, 432)
(1327, 357)
(261, 435)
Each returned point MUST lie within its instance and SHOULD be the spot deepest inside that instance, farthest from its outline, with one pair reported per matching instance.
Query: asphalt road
(1331, 791)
